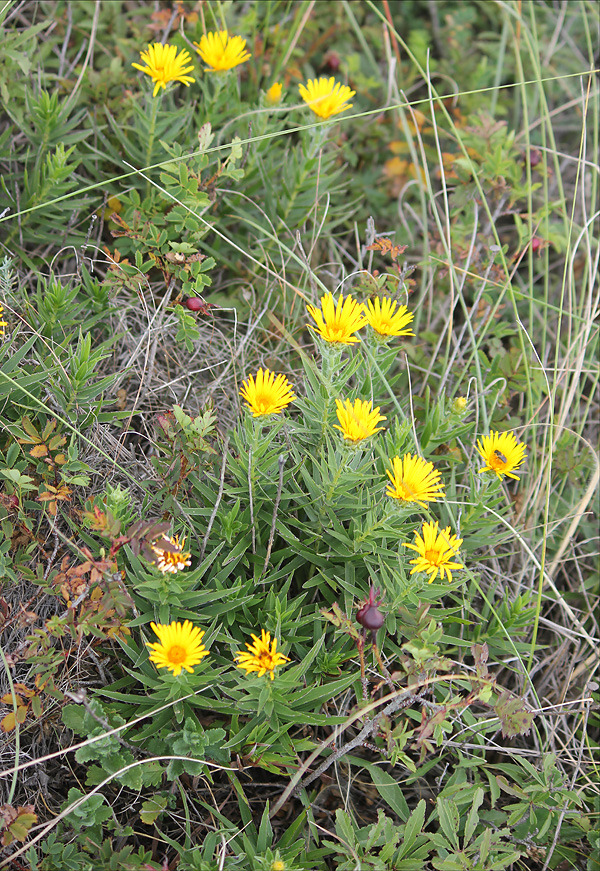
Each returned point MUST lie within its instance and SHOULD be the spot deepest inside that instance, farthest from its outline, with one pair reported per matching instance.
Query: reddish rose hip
(194, 303)
(535, 157)
(369, 615)
(536, 244)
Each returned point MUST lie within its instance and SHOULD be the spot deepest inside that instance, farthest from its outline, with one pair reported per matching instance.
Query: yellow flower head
(358, 421)
(179, 646)
(337, 323)
(219, 51)
(414, 479)
(326, 97)
(502, 453)
(171, 559)
(435, 549)
(273, 95)
(385, 320)
(164, 65)
(262, 656)
(268, 394)
(2, 323)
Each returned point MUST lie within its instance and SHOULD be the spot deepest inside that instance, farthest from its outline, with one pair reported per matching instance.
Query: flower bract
(358, 421)
(262, 655)
(326, 97)
(179, 646)
(267, 394)
(219, 51)
(414, 479)
(435, 550)
(385, 320)
(502, 453)
(338, 323)
(164, 65)
(170, 556)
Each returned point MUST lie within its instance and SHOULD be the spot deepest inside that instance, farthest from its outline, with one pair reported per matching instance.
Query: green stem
(13, 785)
(151, 135)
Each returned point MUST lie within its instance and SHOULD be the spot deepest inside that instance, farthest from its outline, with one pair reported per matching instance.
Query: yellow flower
(219, 51)
(273, 95)
(164, 65)
(435, 550)
(269, 394)
(262, 656)
(338, 323)
(179, 646)
(414, 480)
(278, 865)
(171, 559)
(358, 421)
(2, 323)
(502, 453)
(326, 97)
(385, 320)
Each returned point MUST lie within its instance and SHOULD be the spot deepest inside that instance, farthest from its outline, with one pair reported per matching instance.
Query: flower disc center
(177, 654)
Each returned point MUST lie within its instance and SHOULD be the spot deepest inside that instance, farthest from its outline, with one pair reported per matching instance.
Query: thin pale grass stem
(15, 769)
(550, 581)
(217, 500)
(267, 136)
(76, 804)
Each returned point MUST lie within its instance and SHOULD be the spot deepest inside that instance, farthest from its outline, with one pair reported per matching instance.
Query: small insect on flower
(262, 656)
(267, 394)
(502, 453)
(220, 52)
(338, 323)
(164, 65)
(326, 97)
(170, 557)
(179, 646)
(435, 550)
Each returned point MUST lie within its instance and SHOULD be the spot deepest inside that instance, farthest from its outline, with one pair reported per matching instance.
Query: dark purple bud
(368, 615)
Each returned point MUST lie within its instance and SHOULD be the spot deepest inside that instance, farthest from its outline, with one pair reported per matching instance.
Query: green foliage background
(465, 734)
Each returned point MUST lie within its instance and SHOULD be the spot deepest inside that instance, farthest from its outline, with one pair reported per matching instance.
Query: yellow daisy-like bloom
(273, 95)
(385, 320)
(172, 560)
(179, 646)
(164, 65)
(268, 394)
(219, 51)
(326, 97)
(414, 479)
(435, 549)
(358, 421)
(262, 656)
(2, 323)
(337, 323)
(502, 453)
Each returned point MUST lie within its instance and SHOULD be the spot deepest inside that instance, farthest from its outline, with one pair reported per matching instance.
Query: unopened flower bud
(369, 615)
(459, 406)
